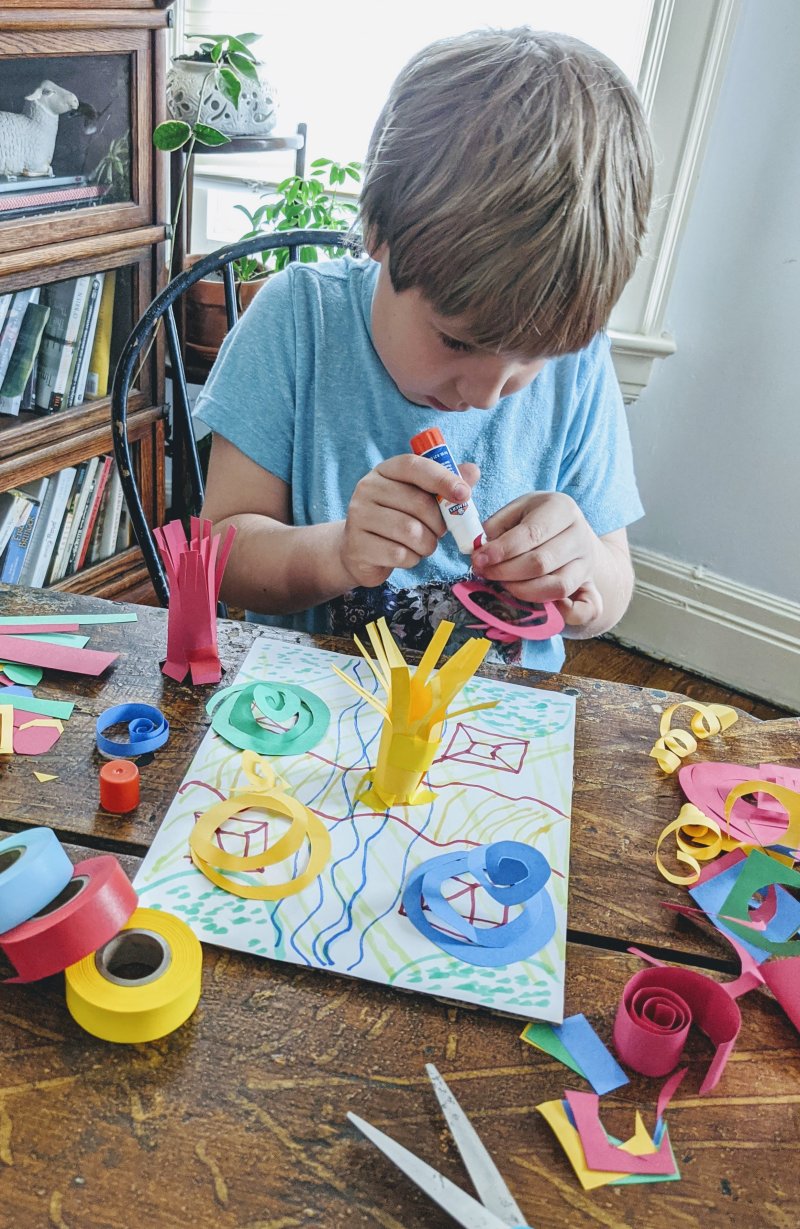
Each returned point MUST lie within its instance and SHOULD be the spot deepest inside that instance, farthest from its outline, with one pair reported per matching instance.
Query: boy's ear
(376, 250)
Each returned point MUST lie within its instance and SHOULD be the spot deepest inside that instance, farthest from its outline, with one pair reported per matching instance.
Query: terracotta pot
(206, 322)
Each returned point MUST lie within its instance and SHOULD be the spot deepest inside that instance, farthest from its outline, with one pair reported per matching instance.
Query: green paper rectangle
(543, 1038)
(44, 708)
(127, 617)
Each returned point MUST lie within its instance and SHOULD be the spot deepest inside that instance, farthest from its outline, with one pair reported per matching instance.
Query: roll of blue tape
(33, 870)
(148, 729)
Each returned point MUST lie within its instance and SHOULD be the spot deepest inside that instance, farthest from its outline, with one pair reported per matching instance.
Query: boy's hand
(393, 520)
(541, 549)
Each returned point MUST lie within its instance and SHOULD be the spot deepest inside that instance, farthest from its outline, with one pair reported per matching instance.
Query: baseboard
(742, 637)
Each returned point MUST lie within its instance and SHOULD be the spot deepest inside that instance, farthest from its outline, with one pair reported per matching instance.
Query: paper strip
(44, 621)
(23, 629)
(511, 873)
(54, 657)
(597, 1063)
(598, 1153)
(656, 1011)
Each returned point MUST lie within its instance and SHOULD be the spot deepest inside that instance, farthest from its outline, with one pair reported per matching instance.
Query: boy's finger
(428, 475)
(470, 472)
(509, 536)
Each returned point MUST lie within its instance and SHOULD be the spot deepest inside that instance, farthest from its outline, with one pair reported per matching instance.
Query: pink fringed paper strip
(194, 571)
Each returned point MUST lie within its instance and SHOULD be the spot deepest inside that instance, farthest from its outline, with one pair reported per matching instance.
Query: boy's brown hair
(510, 175)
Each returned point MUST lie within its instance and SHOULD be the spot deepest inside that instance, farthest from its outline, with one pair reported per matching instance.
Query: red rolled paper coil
(651, 1028)
(93, 907)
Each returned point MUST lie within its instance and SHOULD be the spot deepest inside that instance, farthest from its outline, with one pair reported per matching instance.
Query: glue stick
(461, 519)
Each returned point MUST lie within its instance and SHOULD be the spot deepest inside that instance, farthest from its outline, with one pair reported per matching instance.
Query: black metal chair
(187, 472)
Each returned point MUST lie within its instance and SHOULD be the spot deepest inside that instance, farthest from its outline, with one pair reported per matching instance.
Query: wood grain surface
(238, 1119)
(621, 799)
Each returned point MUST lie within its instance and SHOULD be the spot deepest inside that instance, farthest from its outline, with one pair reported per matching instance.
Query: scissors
(498, 1209)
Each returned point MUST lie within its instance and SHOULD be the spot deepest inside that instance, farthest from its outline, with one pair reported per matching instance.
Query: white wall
(717, 432)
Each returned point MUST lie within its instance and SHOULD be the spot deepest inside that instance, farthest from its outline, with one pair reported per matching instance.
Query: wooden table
(238, 1118)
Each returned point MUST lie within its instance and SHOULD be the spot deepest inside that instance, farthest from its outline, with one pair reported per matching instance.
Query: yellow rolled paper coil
(304, 825)
(142, 984)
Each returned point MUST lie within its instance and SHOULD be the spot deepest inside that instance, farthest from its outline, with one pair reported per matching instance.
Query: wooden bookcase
(112, 56)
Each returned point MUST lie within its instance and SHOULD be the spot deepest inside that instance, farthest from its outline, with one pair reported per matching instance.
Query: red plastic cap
(119, 786)
(432, 438)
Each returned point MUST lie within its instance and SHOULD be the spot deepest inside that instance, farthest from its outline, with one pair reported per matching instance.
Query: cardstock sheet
(556, 1114)
(544, 1037)
(713, 889)
(708, 786)
(597, 1063)
(54, 656)
(757, 872)
(350, 918)
(599, 1153)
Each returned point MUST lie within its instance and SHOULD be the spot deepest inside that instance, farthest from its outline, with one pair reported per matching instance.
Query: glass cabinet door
(75, 135)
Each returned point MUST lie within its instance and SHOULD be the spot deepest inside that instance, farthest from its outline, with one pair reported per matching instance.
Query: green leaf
(172, 134)
(247, 38)
(308, 255)
(350, 170)
(217, 52)
(207, 135)
(230, 85)
(243, 64)
(322, 162)
(236, 43)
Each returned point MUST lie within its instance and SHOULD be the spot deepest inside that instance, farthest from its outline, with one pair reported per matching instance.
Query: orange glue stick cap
(422, 443)
(119, 786)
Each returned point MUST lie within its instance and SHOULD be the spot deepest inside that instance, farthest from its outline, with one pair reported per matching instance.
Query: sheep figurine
(27, 141)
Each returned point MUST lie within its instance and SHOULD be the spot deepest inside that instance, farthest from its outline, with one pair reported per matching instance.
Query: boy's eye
(452, 343)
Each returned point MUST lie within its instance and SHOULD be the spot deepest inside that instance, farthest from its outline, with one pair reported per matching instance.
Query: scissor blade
(456, 1203)
(481, 1168)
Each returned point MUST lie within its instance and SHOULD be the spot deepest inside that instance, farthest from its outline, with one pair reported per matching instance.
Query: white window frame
(683, 65)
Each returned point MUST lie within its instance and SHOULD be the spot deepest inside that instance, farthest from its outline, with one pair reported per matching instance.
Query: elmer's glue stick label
(461, 519)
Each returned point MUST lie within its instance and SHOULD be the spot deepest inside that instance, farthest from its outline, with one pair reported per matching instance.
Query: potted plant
(297, 203)
(224, 86)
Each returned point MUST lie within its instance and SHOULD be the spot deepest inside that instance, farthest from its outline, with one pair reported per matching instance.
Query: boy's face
(429, 356)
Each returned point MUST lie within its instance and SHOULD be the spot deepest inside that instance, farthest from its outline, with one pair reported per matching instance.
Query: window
(337, 81)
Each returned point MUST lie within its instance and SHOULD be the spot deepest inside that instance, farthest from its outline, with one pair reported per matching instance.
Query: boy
(505, 195)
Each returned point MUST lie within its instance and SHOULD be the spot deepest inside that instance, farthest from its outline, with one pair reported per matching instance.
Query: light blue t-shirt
(300, 389)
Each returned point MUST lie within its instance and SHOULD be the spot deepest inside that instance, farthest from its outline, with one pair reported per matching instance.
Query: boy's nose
(483, 387)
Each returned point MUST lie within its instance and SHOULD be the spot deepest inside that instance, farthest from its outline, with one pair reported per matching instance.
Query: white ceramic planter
(257, 112)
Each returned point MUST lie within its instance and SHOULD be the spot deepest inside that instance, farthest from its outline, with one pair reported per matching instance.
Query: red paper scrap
(600, 1153)
(783, 979)
(708, 785)
(36, 629)
(54, 656)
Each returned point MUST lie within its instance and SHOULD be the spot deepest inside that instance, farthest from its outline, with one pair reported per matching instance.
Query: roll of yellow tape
(142, 984)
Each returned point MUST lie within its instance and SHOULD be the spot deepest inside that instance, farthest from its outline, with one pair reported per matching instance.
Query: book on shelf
(67, 302)
(48, 523)
(100, 359)
(124, 533)
(105, 536)
(58, 560)
(20, 540)
(10, 186)
(83, 349)
(14, 508)
(20, 367)
(81, 513)
(85, 535)
(29, 394)
(13, 324)
(46, 200)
